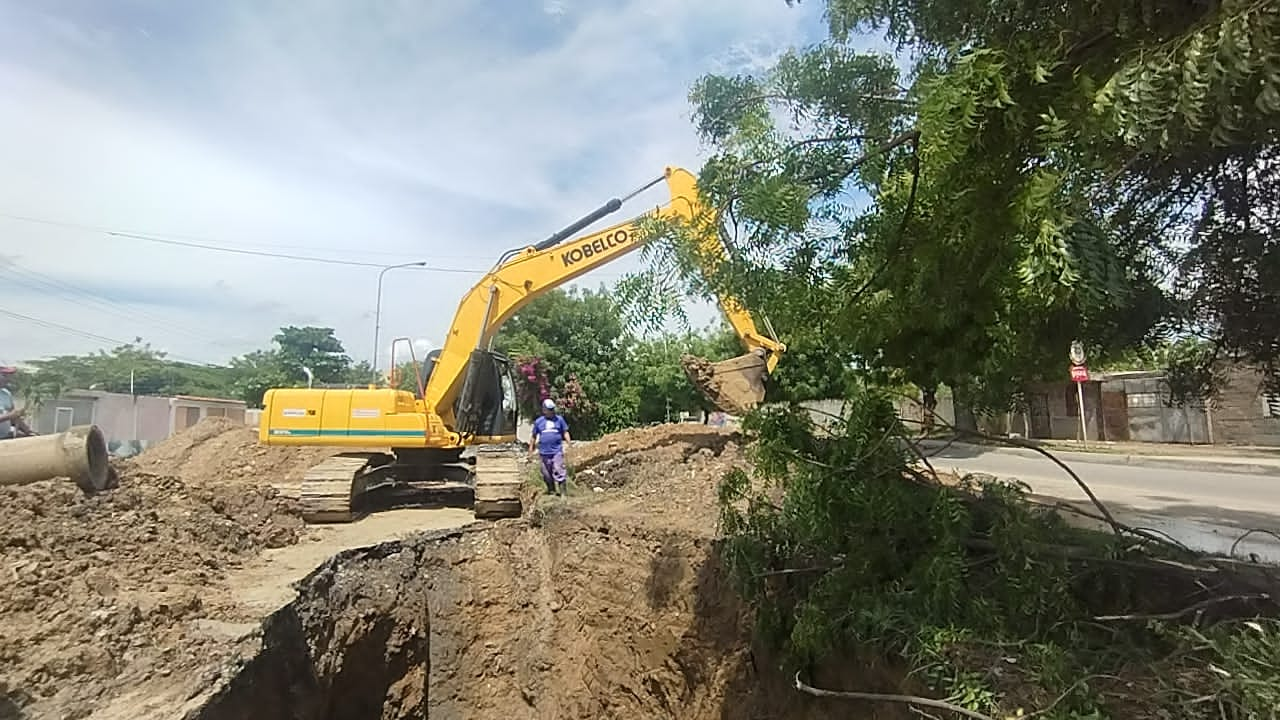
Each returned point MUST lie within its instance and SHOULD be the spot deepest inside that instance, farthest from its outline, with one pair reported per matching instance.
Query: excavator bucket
(734, 386)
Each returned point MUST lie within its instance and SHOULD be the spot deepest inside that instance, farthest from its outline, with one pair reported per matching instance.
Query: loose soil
(103, 592)
(170, 596)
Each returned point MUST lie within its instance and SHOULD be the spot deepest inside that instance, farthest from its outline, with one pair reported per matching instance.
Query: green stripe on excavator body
(347, 433)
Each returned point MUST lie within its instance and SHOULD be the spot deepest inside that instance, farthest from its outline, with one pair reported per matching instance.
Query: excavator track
(497, 484)
(330, 489)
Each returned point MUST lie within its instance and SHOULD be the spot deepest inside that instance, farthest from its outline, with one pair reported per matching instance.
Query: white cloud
(383, 133)
(555, 8)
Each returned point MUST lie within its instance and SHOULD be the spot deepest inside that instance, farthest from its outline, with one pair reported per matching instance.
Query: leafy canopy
(1100, 171)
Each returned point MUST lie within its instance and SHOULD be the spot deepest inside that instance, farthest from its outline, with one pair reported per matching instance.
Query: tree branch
(1116, 527)
(902, 225)
(883, 697)
(1185, 611)
(897, 141)
(796, 571)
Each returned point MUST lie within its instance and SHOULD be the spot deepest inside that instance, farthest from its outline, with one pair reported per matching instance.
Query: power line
(283, 256)
(196, 239)
(87, 334)
(64, 328)
(94, 302)
(170, 240)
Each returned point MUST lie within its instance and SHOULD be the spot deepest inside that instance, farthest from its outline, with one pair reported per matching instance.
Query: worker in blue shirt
(550, 435)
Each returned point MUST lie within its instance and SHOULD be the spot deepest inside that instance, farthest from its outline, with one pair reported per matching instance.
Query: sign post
(1080, 375)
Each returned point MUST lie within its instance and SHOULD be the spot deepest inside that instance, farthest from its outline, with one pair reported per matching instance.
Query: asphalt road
(1207, 510)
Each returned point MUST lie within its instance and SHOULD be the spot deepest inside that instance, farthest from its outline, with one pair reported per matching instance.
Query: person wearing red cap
(10, 416)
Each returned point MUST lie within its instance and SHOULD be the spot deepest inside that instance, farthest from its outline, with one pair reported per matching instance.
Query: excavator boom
(734, 386)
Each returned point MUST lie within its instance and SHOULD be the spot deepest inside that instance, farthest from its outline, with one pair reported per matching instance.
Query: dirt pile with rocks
(101, 591)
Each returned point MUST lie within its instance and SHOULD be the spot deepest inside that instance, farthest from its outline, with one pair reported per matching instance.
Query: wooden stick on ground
(884, 697)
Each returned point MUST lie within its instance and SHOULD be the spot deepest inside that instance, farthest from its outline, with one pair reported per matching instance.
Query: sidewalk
(1164, 449)
(1196, 458)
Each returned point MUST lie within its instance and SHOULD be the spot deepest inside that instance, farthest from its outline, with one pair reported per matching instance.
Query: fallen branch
(1116, 527)
(796, 571)
(883, 697)
(1246, 534)
(1185, 611)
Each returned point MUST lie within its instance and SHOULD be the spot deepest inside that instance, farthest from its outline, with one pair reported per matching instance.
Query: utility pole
(377, 312)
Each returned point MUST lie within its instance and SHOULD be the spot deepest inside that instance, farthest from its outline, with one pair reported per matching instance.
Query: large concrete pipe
(79, 453)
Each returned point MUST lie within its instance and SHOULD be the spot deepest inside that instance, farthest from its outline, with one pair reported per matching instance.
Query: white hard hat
(549, 404)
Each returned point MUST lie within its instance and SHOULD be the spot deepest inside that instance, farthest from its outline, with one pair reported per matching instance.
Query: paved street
(1206, 509)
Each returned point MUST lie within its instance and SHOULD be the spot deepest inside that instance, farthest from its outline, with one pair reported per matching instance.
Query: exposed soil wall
(584, 617)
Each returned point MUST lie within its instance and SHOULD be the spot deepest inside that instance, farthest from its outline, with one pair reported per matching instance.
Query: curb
(1149, 461)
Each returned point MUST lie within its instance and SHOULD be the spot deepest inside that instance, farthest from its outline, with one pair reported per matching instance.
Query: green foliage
(145, 371)
(257, 372)
(574, 346)
(1090, 170)
(1243, 659)
(843, 548)
(133, 367)
(577, 338)
(315, 348)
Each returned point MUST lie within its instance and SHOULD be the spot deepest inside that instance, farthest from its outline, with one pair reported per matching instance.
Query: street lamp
(377, 313)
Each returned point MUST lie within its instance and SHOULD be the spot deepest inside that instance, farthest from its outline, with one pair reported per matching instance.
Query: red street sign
(1079, 373)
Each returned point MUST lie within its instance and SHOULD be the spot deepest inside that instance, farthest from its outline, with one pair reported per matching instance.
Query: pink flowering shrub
(533, 380)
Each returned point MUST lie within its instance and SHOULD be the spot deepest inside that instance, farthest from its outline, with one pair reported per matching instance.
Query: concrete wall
(115, 413)
(1241, 414)
(1147, 413)
(58, 415)
(130, 423)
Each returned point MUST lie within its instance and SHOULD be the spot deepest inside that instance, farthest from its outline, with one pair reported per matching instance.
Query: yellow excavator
(465, 393)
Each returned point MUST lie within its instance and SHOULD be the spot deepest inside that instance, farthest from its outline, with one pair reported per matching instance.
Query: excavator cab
(486, 407)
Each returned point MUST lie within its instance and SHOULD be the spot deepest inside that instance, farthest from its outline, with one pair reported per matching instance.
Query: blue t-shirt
(550, 433)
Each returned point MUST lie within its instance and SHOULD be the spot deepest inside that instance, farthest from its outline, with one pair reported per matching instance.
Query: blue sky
(379, 132)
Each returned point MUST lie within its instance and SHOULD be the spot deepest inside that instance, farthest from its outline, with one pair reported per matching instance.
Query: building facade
(1135, 406)
(131, 422)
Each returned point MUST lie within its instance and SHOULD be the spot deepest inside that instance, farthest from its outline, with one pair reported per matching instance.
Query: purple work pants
(553, 470)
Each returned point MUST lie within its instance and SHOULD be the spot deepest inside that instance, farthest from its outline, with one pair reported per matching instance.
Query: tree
(316, 348)
(1038, 177)
(256, 372)
(134, 367)
(1101, 171)
(575, 339)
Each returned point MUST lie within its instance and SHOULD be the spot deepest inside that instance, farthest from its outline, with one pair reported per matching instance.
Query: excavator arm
(520, 277)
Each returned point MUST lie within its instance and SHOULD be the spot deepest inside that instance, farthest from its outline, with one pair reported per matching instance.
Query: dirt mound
(691, 436)
(220, 451)
(101, 592)
(668, 471)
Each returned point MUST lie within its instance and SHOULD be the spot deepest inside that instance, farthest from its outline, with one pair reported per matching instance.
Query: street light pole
(377, 313)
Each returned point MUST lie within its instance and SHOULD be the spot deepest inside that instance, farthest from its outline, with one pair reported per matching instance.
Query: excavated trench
(576, 617)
